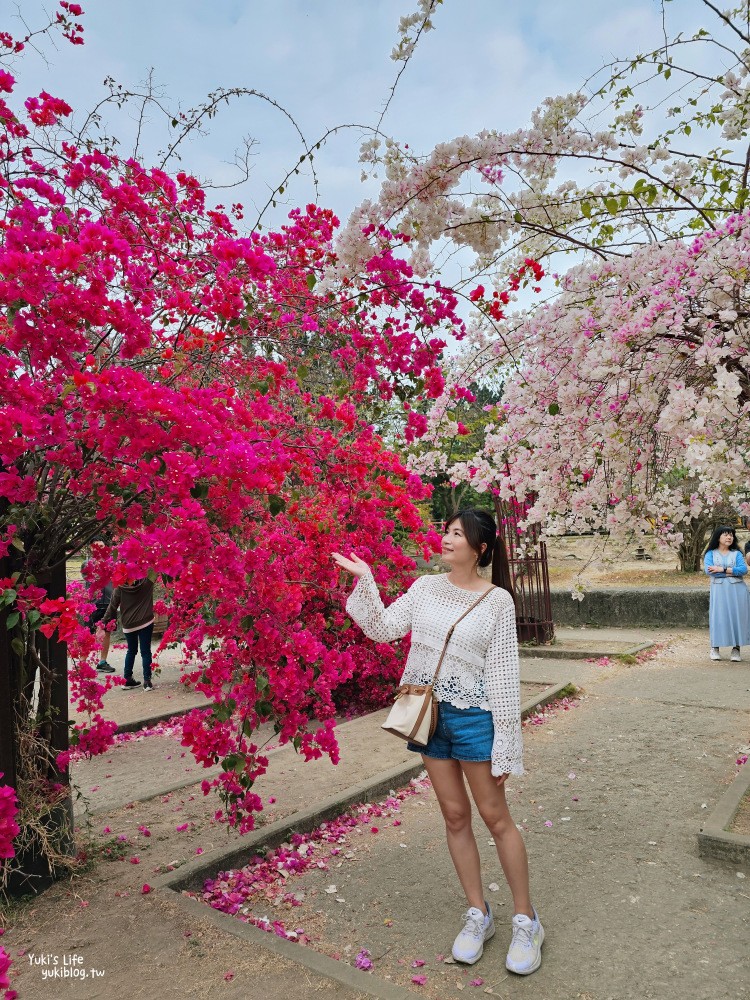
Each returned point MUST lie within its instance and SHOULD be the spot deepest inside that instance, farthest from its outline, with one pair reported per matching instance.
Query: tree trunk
(694, 540)
(29, 764)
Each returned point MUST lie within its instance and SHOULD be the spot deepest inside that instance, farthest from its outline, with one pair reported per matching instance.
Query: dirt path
(620, 878)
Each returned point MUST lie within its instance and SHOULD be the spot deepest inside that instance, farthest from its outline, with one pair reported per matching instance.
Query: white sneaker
(478, 928)
(525, 952)
(736, 657)
(715, 654)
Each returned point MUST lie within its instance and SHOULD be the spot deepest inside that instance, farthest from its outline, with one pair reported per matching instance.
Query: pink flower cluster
(204, 396)
(9, 828)
(547, 712)
(267, 879)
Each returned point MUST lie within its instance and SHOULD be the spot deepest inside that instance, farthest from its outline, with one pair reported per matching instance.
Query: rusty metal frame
(527, 557)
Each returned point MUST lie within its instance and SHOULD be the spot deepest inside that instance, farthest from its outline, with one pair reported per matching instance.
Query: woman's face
(726, 538)
(456, 549)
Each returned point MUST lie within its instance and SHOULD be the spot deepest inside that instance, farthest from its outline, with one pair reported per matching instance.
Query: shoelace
(473, 926)
(523, 936)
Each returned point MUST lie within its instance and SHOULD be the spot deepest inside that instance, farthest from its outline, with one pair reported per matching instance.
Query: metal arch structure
(527, 557)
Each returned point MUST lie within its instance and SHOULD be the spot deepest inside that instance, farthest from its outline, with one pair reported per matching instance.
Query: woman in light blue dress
(729, 602)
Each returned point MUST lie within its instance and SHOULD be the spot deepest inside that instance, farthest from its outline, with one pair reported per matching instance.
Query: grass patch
(569, 691)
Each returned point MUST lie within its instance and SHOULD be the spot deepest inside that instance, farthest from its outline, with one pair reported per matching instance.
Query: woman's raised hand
(354, 565)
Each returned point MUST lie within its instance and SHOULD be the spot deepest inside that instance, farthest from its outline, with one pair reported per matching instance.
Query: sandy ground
(649, 746)
(604, 563)
(741, 822)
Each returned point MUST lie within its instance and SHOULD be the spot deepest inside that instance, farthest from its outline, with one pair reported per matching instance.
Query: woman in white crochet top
(478, 735)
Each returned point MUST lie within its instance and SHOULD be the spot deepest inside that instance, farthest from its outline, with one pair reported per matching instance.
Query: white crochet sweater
(480, 668)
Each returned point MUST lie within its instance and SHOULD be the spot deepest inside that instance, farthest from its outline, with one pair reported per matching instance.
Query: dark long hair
(480, 529)
(718, 532)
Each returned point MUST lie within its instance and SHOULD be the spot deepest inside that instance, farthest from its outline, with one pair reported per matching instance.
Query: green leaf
(611, 205)
(152, 575)
(276, 504)
(586, 209)
(345, 625)
(12, 620)
(553, 409)
(234, 762)
(247, 622)
(17, 646)
(17, 543)
(311, 281)
(263, 708)
(199, 491)
(223, 712)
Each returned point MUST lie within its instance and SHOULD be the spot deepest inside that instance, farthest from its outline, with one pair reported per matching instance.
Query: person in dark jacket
(135, 602)
(102, 599)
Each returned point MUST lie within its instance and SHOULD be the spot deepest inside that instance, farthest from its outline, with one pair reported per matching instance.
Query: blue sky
(487, 64)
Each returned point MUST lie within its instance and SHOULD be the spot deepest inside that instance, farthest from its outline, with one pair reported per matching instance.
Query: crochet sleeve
(502, 685)
(378, 622)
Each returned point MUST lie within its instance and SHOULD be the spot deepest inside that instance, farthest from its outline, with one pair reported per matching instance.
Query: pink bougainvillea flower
(419, 980)
(9, 828)
(146, 889)
(363, 961)
(181, 414)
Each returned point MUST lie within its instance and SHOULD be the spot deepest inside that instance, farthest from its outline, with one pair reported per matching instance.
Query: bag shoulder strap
(453, 626)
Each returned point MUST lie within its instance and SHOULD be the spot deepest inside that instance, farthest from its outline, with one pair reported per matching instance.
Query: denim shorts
(460, 734)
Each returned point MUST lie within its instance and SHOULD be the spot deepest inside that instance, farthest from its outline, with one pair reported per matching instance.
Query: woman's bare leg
(490, 801)
(448, 782)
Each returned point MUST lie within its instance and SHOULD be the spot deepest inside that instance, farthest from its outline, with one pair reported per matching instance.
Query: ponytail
(501, 575)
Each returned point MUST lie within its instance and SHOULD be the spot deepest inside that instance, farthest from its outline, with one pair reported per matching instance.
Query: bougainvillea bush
(195, 403)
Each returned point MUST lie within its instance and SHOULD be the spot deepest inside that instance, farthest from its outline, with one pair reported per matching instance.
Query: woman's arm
(114, 604)
(740, 566)
(708, 564)
(376, 621)
(503, 689)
